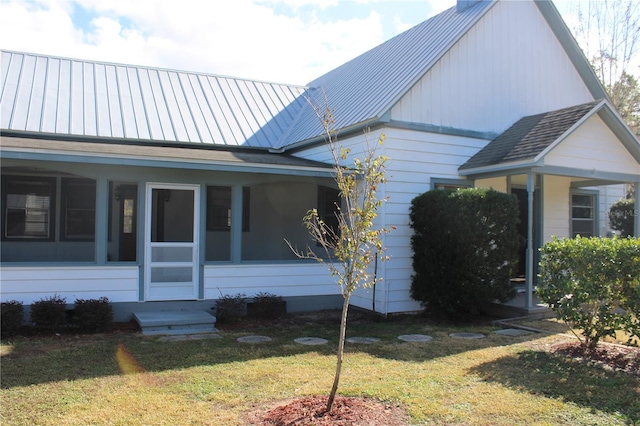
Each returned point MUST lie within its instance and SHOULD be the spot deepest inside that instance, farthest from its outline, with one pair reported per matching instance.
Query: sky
(282, 41)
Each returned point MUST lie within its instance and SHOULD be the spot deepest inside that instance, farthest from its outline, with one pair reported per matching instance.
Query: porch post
(531, 185)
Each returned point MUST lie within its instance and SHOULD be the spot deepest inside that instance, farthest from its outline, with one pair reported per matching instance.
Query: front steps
(175, 322)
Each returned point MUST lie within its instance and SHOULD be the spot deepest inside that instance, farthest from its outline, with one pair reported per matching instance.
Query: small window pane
(79, 209)
(218, 208)
(583, 215)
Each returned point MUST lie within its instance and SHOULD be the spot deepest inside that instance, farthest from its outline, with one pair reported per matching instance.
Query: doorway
(171, 242)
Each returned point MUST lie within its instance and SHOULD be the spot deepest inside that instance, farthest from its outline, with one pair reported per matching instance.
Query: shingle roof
(529, 136)
(60, 96)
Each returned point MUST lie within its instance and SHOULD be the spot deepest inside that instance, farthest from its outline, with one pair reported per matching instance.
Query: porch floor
(517, 306)
(175, 322)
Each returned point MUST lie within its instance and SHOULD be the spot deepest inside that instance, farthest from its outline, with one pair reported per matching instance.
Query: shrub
(266, 306)
(93, 315)
(12, 315)
(49, 313)
(593, 284)
(465, 249)
(230, 308)
(621, 216)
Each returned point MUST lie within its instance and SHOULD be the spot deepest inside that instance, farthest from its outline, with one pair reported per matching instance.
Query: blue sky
(289, 41)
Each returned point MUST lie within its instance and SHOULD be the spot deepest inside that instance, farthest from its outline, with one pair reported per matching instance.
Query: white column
(531, 186)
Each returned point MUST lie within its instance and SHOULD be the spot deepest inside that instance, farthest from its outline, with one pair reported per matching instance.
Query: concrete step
(175, 322)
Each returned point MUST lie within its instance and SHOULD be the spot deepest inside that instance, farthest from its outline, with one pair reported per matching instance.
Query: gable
(508, 65)
(595, 146)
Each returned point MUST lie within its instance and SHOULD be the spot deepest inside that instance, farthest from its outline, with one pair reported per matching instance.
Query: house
(164, 189)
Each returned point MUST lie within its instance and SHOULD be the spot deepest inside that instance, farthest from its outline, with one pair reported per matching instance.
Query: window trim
(459, 183)
(596, 210)
(52, 182)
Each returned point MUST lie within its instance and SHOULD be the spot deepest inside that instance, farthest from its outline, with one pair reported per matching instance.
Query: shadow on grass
(553, 376)
(52, 359)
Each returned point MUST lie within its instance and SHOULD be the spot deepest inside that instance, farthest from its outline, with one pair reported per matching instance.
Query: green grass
(493, 381)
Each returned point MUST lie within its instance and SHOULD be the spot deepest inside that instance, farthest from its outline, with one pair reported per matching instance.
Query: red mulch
(310, 410)
(608, 355)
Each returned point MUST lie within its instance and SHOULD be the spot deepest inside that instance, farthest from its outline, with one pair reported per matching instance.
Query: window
(450, 184)
(583, 215)
(28, 208)
(78, 209)
(219, 208)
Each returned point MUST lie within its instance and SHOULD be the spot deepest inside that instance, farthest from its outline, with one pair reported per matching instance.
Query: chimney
(465, 4)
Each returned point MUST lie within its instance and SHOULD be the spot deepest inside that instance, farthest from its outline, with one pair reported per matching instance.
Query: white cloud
(258, 39)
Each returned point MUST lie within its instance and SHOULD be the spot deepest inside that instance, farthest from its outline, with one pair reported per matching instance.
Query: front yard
(498, 380)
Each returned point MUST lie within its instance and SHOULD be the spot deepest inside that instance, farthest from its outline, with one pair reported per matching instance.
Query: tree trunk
(341, 339)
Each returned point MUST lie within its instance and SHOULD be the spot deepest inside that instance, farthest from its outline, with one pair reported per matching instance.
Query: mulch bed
(608, 355)
(310, 410)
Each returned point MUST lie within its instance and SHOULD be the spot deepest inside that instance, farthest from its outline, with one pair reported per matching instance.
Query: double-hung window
(29, 203)
(583, 215)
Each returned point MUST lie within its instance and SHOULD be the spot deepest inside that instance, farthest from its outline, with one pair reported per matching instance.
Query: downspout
(529, 270)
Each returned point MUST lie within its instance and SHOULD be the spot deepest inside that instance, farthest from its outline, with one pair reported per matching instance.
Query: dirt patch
(608, 355)
(346, 411)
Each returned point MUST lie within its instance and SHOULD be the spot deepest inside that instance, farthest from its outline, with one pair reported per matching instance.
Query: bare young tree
(349, 250)
(609, 33)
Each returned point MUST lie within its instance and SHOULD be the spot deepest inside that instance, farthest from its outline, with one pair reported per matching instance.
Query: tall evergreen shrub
(621, 216)
(465, 249)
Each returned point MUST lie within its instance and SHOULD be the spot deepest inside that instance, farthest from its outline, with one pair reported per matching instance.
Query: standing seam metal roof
(63, 96)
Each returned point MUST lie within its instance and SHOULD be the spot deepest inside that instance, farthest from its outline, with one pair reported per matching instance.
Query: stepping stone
(513, 332)
(363, 340)
(254, 339)
(467, 335)
(311, 341)
(415, 338)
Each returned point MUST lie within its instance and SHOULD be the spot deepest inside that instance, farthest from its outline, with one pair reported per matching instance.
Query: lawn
(498, 380)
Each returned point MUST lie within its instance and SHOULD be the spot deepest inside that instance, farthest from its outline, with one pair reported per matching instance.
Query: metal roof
(366, 87)
(62, 96)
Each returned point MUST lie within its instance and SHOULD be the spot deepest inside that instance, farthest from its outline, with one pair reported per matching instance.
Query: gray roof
(530, 137)
(59, 96)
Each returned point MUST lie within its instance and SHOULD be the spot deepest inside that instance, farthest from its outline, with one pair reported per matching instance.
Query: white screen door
(171, 242)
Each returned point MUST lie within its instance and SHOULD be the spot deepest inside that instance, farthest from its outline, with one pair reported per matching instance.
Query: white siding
(509, 65)
(30, 283)
(285, 279)
(414, 159)
(593, 146)
(556, 207)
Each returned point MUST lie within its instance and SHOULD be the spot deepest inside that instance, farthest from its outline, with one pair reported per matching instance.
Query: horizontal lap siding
(303, 279)
(557, 207)
(29, 284)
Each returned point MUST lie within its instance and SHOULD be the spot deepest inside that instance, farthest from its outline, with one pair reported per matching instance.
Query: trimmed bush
(12, 315)
(266, 306)
(621, 216)
(465, 249)
(93, 315)
(594, 285)
(49, 313)
(230, 308)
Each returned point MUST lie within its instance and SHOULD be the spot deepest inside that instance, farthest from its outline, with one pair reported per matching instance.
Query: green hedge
(593, 284)
(621, 216)
(93, 315)
(465, 249)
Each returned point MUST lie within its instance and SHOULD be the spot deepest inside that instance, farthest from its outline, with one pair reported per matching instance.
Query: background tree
(349, 250)
(608, 32)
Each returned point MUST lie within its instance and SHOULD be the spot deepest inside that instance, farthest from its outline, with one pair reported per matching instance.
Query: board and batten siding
(415, 158)
(32, 283)
(509, 65)
(595, 145)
